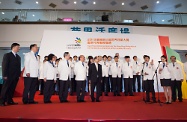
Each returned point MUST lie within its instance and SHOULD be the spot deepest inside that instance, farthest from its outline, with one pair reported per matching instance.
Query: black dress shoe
(118, 95)
(12, 103)
(180, 100)
(98, 101)
(131, 95)
(2, 104)
(106, 94)
(41, 94)
(25, 102)
(66, 101)
(47, 101)
(83, 101)
(34, 102)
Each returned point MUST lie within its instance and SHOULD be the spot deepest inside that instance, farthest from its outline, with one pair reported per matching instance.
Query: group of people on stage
(103, 73)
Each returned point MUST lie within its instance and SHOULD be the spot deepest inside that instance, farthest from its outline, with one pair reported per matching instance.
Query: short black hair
(32, 45)
(109, 56)
(163, 56)
(50, 57)
(134, 57)
(146, 56)
(90, 57)
(173, 56)
(65, 54)
(96, 57)
(127, 57)
(105, 56)
(115, 56)
(14, 45)
(74, 56)
(186, 54)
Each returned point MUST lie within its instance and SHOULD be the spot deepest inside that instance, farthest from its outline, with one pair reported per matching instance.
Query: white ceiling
(163, 6)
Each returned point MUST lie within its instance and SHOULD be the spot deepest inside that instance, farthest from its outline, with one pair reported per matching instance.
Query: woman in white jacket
(165, 79)
(49, 78)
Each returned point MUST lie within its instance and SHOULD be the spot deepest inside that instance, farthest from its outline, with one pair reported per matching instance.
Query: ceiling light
(75, 2)
(157, 2)
(36, 2)
(3, 13)
(122, 4)
(33, 15)
(163, 20)
(94, 3)
(0, 2)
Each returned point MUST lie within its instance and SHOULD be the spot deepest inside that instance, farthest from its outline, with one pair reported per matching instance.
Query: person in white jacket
(110, 74)
(49, 78)
(105, 74)
(176, 78)
(137, 65)
(165, 79)
(148, 73)
(185, 67)
(127, 70)
(31, 73)
(64, 70)
(116, 76)
(80, 72)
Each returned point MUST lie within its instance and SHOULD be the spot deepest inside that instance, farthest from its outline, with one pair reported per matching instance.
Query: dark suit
(11, 68)
(95, 76)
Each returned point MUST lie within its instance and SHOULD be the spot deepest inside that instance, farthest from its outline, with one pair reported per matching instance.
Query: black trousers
(29, 91)
(110, 83)
(106, 85)
(80, 90)
(136, 78)
(41, 86)
(63, 91)
(149, 87)
(116, 85)
(176, 85)
(72, 85)
(8, 89)
(48, 90)
(128, 85)
(96, 85)
(121, 83)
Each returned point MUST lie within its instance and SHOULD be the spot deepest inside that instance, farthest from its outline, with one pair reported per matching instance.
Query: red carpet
(110, 109)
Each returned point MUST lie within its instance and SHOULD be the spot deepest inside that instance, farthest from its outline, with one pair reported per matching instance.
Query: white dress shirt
(165, 73)
(49, 71)
(150, 70)
(105, 68)
(127, 70)
(31, 64)
(176, 71)
(116, 69)
(80, 71)
(64, 70)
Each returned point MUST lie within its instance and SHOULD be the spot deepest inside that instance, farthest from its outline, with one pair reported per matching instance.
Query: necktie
(67, 63)
(116, 64)
(35, 56)
(82, 64)
(163, 65)
(136, 63)
(146, 64)
(128, 63)
(104, 63)
(173, 64)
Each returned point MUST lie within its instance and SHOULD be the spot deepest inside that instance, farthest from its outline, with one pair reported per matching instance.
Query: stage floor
(111, 108)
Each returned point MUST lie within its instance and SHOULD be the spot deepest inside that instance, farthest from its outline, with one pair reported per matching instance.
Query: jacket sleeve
(45, 70)
(181, 71)
(26, 63)
(5, 65)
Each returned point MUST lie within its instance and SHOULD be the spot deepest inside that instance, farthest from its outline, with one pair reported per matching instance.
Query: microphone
(159, 61)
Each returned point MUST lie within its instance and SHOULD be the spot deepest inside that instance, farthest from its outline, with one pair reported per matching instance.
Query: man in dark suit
(11, 70)
(95, 77)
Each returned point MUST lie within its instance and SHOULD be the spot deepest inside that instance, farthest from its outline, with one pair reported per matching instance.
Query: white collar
(13, 52)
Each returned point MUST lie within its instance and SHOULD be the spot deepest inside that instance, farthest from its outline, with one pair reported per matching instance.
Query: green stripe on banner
(170, 53)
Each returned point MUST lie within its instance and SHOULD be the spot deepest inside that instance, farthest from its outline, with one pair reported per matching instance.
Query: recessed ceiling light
(157, 2)
(33, 15)
(3, 13)
(94, 3)
(122, 4)
(37, 2)
(75, 2)
(163, 20)
(0, 2)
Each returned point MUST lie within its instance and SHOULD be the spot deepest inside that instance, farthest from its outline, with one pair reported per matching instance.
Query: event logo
(77, 44)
